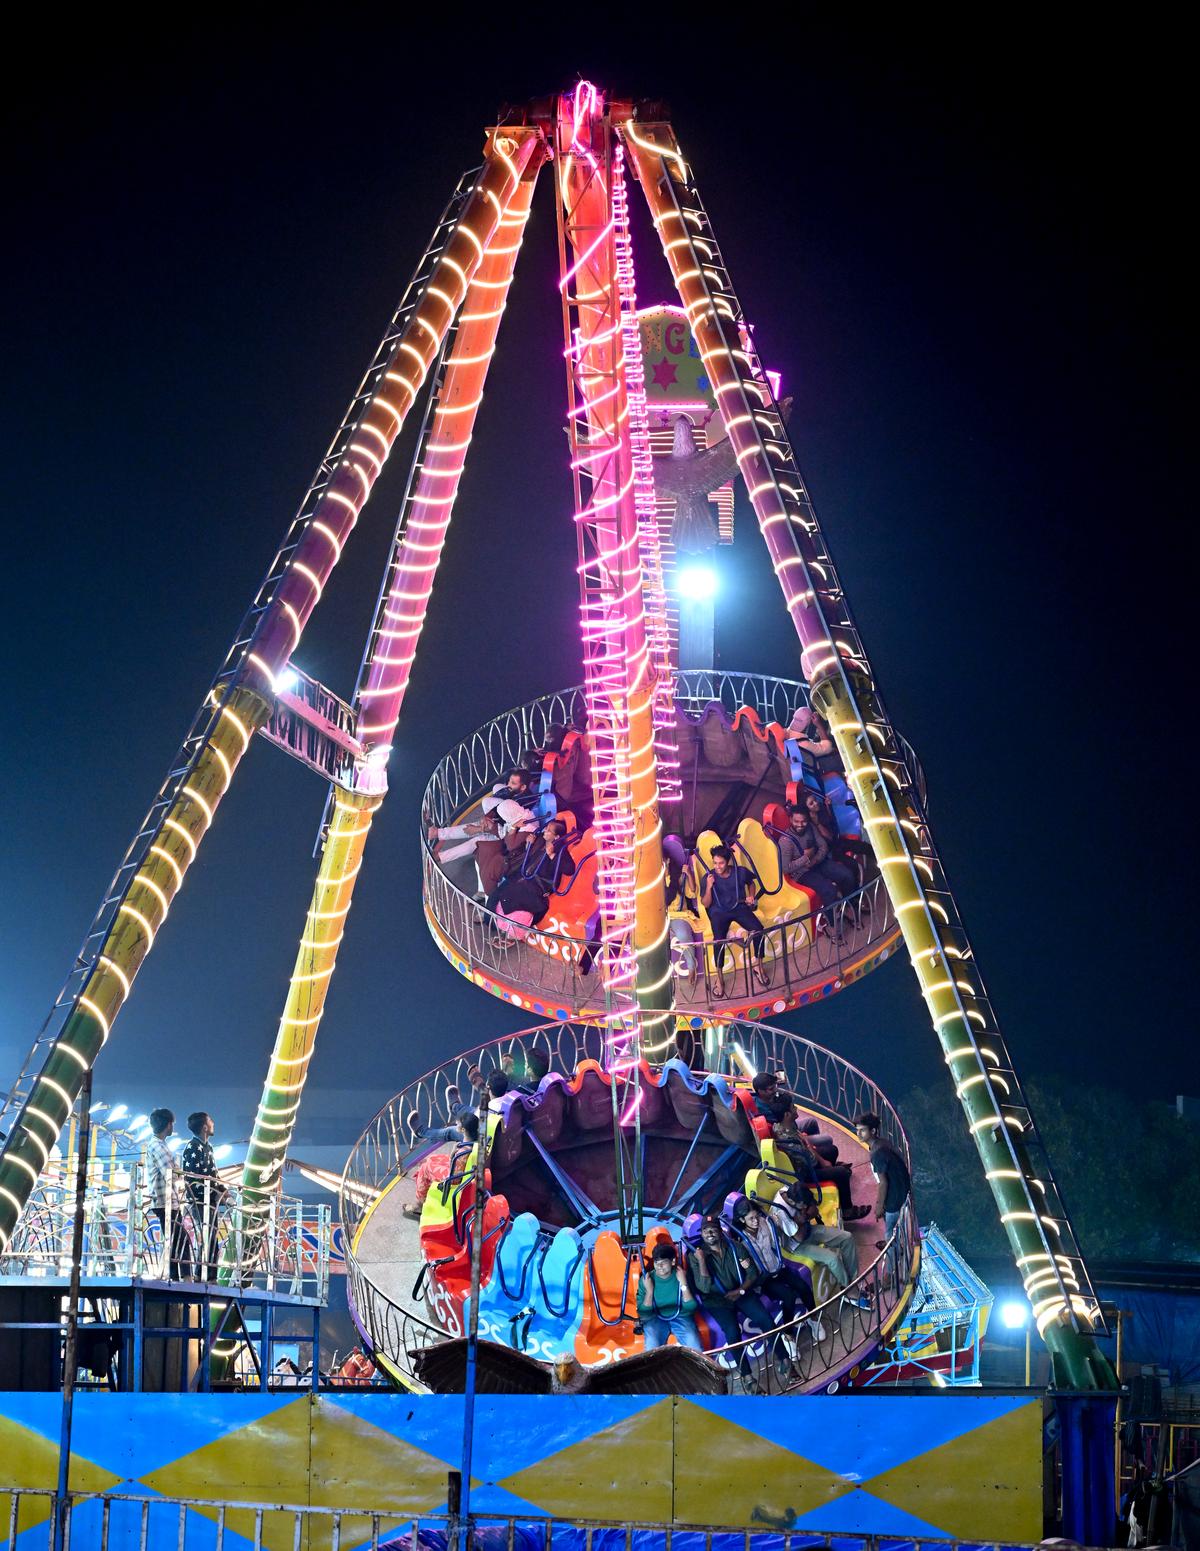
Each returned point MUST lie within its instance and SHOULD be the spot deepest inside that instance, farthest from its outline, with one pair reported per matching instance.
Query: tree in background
(1129, 1172)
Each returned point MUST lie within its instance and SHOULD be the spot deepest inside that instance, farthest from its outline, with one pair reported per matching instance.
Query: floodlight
(696, 582)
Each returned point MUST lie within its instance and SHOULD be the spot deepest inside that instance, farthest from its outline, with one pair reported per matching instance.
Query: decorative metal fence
(281, 1245)
(792, 1357)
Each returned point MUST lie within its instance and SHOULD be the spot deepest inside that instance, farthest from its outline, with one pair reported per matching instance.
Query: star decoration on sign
(664, 374)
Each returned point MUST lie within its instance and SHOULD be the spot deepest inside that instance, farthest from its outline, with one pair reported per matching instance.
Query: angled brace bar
(240, 702)
(383, 681)
(843, 688)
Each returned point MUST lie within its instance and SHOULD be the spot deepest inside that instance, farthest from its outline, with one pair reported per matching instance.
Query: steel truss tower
(441, 339)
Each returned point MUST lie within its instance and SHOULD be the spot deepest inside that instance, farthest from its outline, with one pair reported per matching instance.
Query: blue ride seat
(557, 1295)
(802, 767)
(513, 1276)
(845, 811)
(509, 1288)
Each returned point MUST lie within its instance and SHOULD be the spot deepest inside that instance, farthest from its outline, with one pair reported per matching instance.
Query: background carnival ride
(441, 338)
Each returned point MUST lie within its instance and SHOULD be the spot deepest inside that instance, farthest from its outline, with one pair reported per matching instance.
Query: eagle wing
(668, 1370)
(499, 1370)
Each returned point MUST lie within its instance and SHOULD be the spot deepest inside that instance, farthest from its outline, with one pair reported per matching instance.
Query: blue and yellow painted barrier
(967, 1467)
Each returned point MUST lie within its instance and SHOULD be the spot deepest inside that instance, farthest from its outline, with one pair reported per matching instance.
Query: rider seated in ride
(811, 732)
(811, 1167)
(681, 911)
(533, 875)
(725, 1276)
(664, 1301)
(728, 896)
(440, 1165)
(780, 1280)
(806, 862)
(537, 1064)
(833, 1247)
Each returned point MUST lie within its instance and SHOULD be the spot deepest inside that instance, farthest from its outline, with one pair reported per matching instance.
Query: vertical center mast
(619, 675)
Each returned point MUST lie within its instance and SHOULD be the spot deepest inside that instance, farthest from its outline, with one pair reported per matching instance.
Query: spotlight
(697, 582)
(287, 681)
(1014, 1316)
(222, 1151)
(119, 1113)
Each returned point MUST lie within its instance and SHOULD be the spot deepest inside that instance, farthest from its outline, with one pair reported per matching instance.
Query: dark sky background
(965, 254)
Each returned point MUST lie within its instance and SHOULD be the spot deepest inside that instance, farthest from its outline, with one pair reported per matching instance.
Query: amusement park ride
(640, 1115)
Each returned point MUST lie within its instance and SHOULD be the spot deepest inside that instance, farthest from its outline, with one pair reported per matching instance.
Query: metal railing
(471, 768)
(109, 1519)
(280, 1246)
(791, 1357)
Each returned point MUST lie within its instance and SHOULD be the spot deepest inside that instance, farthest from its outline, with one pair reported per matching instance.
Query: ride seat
(780, 900)
(560, 1276)
(845, 811)
(514, 1260)
(569, 910)
(776, 817)
(609, 1301)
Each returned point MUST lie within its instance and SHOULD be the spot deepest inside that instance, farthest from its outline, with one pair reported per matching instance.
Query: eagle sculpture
(499, 1370)
(688, 477)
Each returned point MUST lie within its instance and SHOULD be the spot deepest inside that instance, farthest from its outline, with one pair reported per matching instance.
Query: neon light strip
(605, 608)
(645, 497)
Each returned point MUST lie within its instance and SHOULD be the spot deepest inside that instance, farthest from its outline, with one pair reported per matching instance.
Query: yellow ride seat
(777, 1162)
(762, 1185)
(706, 843)
(778, 900)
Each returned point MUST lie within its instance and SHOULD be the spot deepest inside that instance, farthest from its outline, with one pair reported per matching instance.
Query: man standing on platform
(205, 1192)
(162, 1187)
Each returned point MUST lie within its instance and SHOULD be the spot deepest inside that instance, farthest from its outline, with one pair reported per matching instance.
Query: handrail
(212, 1239)
(825, 1083)
(172, 1513)
(861, 926)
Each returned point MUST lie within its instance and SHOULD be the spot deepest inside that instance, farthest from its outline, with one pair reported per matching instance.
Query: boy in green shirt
(665, 1304)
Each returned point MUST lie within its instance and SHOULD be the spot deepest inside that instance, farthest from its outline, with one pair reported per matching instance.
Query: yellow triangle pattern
(985, 1484)
(726, 1473)
(622, 1471)
(31, 1460)
(269, 1460)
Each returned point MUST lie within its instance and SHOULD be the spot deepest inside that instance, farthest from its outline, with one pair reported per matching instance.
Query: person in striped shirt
(164, 1196)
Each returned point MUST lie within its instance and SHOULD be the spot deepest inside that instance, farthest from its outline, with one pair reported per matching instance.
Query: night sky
(965, 255)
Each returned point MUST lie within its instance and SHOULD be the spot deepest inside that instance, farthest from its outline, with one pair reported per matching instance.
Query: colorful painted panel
(967, 1467)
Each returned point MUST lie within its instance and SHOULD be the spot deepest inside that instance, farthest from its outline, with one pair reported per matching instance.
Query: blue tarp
(1163, 1330)
(567, 1537)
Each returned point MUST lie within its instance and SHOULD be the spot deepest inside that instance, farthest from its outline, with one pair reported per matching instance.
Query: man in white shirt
(164, 1195)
